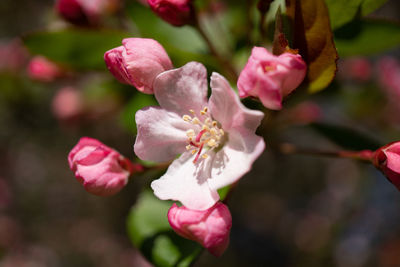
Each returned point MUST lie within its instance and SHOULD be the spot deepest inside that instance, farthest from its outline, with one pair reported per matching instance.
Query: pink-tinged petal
(226, 107)
(235, 158)
(85, 144)
(115, 65)
(393, 161)
(271, 97)
(182, 89)
(161, 135)
(144, 59)
(186, 182)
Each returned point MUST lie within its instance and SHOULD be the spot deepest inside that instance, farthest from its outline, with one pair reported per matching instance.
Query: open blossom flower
(138, 62)
(175, 12)
(101, 169)
(42, 69)
(209, 227)
(387, 159)
(216, 138)
(270, 77)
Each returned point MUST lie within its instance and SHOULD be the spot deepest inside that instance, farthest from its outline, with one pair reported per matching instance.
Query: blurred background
(290, 210)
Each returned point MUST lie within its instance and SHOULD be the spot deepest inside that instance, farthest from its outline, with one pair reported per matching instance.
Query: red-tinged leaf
(313, 37)
(280, 42)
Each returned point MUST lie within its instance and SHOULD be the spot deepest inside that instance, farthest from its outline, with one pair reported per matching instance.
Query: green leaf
(368, 6)
(342, 11)
(75, 48)
(150, 231)
(313, 37)
(366, 37)
(346, 137)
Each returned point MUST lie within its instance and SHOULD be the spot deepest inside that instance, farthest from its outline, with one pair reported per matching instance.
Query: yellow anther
(205, 127)
(205, 109)
(221, 132)
(207, 121)
(202, 112)
(211, 142)
(195, 120)
(214, 123)
(269, 68)
(190, 133)
(204, 156)
(191, 111)
(186, 118)
(194, 151)
(188, 147)
(213, 131)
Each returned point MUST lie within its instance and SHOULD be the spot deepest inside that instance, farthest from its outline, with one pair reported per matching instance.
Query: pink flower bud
(175, 12)
(138, 62)
(387, 159)
(358, 69)
(67, 104)
(209, 227)
(101, 170)
(270, 77)
(72, 11)
(42, 69)
(85, 12)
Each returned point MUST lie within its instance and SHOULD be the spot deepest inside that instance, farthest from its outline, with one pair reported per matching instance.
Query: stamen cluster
(208, 137)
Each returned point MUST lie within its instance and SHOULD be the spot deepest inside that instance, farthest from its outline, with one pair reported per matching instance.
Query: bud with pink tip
(101, 169)
(270, 77)
(175, 12)
(85, 12)
(387, 159)
(42, 69)
(138, 62)
(209, 227)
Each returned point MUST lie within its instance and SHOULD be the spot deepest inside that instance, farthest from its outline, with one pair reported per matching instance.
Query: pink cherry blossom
(209, 227)
(42, 69)
(138, 62)
(175, 12)
(387, 159)
(101, 169)
(270, 77)
(216, 138)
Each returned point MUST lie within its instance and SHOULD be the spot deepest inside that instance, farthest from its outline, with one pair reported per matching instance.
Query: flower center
(205, 137)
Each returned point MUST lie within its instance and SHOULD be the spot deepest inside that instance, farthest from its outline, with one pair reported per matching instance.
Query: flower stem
(221, 60)
(363, 155)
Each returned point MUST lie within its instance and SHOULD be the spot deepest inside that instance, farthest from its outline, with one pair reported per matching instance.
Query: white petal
(161, 135)
(226, 107)
(182, 89)
(186, 182)
(235, 159)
